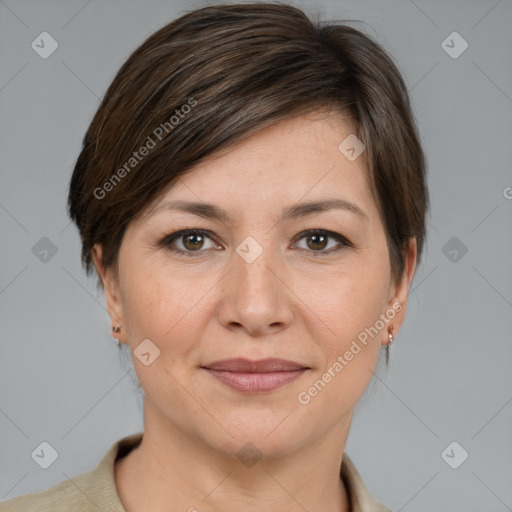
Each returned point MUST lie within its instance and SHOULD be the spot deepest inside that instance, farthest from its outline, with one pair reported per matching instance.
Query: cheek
(166, 310)
(164, 307)
(350, 312)
(349, 353)
(353, 303)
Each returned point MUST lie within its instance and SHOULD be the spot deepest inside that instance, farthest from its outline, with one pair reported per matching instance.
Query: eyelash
(168, 240)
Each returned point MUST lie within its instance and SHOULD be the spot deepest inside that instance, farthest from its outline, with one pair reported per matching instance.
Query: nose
(256, 296)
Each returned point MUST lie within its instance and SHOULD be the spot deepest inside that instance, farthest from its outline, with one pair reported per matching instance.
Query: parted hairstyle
(215, 76)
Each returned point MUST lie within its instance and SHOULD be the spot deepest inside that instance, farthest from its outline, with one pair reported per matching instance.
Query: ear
(399, 291)
(113, 297)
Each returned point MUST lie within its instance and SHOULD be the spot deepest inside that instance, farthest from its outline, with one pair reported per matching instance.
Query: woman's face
(257, 285)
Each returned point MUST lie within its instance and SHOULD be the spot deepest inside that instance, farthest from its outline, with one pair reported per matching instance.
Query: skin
(287, 304)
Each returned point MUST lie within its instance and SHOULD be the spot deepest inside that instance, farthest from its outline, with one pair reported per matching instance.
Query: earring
(390, 341)
(116, 329)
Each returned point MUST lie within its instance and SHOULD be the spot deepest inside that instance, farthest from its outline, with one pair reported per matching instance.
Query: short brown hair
(239, 68)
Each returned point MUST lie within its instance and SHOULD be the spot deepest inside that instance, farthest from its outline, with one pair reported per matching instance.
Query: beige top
(96, 489)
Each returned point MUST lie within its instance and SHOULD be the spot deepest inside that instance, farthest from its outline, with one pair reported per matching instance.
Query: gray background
(62, 379)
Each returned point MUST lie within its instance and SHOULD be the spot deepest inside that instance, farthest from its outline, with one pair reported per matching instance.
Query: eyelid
(343, 241)
(168, 240)
(171, 238)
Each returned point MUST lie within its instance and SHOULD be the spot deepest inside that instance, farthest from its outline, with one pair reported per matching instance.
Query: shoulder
(63, 496)
(359, 496)
(87, 492)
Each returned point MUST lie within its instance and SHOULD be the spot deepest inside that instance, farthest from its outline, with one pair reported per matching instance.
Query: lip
(243, 365)
(258, 376)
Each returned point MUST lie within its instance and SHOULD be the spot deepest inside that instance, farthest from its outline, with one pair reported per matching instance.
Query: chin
(266, 433)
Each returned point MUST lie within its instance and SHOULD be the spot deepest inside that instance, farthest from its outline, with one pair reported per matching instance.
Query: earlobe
(398, 301)
(112, 295)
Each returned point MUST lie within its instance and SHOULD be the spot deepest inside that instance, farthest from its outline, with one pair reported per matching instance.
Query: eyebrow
(210, 211)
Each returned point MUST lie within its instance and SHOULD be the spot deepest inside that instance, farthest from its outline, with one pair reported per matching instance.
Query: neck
(171, 470)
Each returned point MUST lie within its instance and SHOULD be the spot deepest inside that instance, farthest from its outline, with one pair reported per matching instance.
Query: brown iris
(197, 241)
(320, 241)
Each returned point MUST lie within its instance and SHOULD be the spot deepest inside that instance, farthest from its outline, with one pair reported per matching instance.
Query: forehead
(296, 160)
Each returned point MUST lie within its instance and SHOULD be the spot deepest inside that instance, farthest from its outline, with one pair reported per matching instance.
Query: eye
(191, 240)
(318, 239)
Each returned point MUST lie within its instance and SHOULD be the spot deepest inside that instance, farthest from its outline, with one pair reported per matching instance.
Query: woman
(252, 195)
